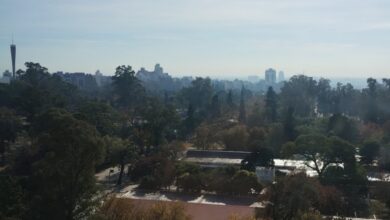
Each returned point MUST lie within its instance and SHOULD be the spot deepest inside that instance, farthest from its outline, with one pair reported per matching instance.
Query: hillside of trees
(54, 137)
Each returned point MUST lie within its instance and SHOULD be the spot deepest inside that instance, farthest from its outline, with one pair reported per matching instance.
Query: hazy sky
(201, 37)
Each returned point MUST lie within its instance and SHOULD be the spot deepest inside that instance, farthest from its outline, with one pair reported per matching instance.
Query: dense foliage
(54, 135)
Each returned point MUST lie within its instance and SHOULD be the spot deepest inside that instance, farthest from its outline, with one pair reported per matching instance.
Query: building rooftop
(217, 154)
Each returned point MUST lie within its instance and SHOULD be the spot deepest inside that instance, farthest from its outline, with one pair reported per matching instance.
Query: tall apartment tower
(281, 76)
(270, 76)
(13, 57)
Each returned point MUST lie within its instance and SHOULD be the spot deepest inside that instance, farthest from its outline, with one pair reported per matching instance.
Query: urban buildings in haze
(156, 74)
(270, 76)
(281, 76)
(6, 78)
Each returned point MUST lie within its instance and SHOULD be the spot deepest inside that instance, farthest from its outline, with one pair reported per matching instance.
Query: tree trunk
(121, 174)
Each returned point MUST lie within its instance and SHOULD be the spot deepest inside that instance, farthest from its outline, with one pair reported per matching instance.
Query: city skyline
(215, 38)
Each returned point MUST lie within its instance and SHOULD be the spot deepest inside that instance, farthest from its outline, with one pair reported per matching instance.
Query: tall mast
(13, 56)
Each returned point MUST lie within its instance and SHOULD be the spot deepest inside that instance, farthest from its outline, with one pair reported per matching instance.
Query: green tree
(316, 150)
(371, 106)
(203, 137)
(321, 152)
(229, 100)
(289, 125)
(255, 118)
(292, 196)
(128, 91)
(343, 152)
(160, 122)
(189, 182)
(36, 90)
(154, 172)
(369, 152)
(63, 178)
(10, 124)
(235, 138)
(215, 107)
(242, 111)
(218, 180)
(325, 96)
(343, 127)
(348, 99)
(35, 73)
(256, 138)
(300, 93)
(120, 152)
(173, 150)
(244, 182)
(189, 123)
(199, 94)
(100, 115)
(189, 177)
(386, 82)
(271, 105)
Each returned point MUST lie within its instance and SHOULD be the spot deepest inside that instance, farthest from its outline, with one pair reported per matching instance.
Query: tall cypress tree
(289, 125)
(271, 105)
(189, 122)
(372, 105)
(229, 100)
(215, 107)
(242, 113)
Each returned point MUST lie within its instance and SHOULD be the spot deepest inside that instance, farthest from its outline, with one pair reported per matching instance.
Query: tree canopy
(63, 178)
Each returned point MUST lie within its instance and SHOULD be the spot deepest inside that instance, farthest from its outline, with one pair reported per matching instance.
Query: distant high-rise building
(156, 75)
(158, 69)
(7, 76)
(98, 77)
(13, 57)
(281, 76)
(270, 75)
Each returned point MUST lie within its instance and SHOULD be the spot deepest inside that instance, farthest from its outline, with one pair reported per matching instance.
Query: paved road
(133, 193)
